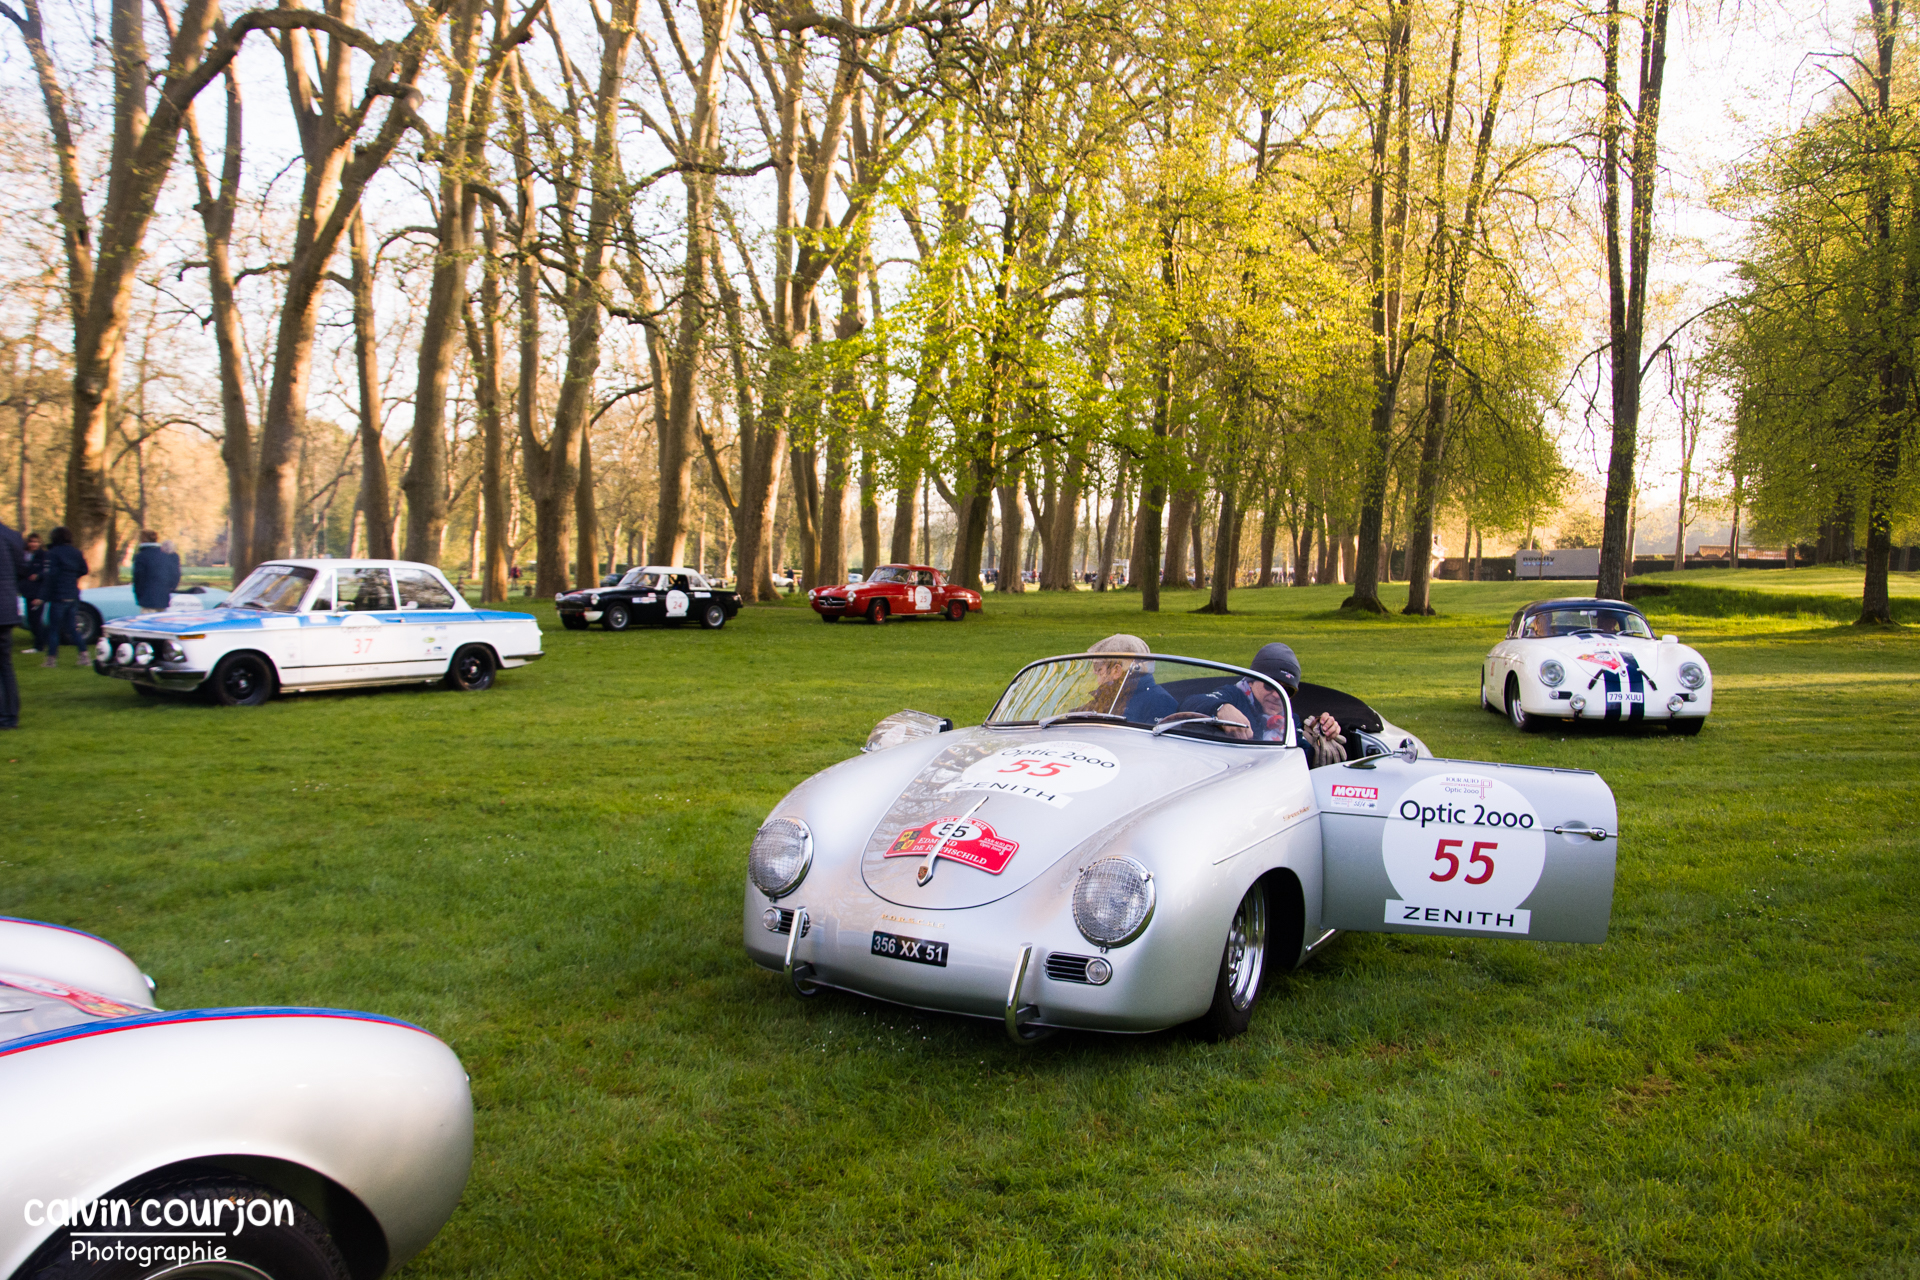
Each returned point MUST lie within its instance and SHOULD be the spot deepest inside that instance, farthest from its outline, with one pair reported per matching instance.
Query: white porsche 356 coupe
(1597, 660)
(1092, 857)
(239, 1144)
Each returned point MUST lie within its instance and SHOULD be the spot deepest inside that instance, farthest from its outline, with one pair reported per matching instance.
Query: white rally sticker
(1050, 772)
(922, 598)
(1463, 850)
(676, 604)
(1351, 795)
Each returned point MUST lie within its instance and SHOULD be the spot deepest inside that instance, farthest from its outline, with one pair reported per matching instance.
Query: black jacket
(34, 584)
(155, 575)
(65, 567)
(13, 567)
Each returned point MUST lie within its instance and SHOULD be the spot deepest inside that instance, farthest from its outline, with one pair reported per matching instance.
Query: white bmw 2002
(1105, 853)
(299, 625)
(1595, 660)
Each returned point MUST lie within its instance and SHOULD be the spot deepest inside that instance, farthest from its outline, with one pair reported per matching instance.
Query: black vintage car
(664, 595)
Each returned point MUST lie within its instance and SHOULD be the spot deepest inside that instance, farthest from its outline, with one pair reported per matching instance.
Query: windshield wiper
(1080, 715)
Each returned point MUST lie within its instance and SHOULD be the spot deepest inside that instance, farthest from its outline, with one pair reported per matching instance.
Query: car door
(431, 628)
(362, 637)
(677, 597)
(922, 592)
(1467, 848)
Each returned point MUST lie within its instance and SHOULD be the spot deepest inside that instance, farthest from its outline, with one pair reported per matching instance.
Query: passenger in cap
(1126, 686)
(1252, 710)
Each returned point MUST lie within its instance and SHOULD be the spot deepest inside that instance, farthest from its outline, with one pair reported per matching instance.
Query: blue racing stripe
(108, 1026)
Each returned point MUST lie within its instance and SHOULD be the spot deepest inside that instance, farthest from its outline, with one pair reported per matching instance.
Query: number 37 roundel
(1462, 847)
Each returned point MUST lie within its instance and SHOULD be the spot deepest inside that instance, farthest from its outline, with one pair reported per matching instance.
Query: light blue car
(101, 605)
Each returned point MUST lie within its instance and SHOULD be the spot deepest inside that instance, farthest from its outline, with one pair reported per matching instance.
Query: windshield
(890, 573)
(1567, 622)
(1174, 695)
(276, 588)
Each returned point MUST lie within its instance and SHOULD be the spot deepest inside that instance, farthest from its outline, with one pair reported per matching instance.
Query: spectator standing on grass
(31, 588)
(13, 569)
(155, 574)
(65, 567)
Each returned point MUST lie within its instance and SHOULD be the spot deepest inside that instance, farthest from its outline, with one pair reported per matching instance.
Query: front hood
(1000, 807)
(1590, 655)
(181, 621)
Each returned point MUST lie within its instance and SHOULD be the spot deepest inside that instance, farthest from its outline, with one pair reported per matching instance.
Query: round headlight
(103, 652)
(1692, 675)
(123, 653)
(143, 654)
(1552, 673)
(782, 851)
(1112, 901)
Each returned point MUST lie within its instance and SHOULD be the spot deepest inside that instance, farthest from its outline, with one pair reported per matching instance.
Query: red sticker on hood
(967, 840)
(84, 1001)
(1611, 661)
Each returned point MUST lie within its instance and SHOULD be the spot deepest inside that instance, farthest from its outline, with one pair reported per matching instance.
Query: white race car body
(365, 1121)
(946, 872)
(1546, 668)
(330, 624)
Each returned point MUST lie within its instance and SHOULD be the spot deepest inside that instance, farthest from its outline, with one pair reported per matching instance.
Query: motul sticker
(1350, 795)
(967, 840)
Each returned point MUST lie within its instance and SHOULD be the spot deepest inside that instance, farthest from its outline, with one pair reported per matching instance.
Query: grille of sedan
(832, 600)
(1065, 968)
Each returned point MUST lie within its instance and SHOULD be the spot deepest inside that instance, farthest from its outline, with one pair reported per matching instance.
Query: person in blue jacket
(13, 569)
(61, 590)
(155, 574)
(1127, 687)
(1253, 711)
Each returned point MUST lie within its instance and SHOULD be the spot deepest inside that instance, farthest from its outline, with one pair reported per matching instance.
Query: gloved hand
(1327, 748)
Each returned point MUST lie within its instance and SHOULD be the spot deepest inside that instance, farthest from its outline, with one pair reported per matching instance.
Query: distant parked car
(300, 625)
(1591, 659)
(665, 595)
(297, 1144)
(101, 605)
(896, 591)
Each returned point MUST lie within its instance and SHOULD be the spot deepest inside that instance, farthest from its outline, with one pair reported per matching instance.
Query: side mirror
(410, 604)
(1669, 639)
(905, 726)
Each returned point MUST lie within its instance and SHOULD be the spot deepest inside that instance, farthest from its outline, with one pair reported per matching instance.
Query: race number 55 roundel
(1051, 772)
(1463, 850)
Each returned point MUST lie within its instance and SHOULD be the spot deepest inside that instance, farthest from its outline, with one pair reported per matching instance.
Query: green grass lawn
(548, 876)
(1825, 579)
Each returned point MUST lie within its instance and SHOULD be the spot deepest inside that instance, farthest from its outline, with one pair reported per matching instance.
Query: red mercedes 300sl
(895, 591)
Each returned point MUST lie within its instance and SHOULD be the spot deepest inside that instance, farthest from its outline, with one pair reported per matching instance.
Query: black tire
(877, 613)
(956, 611)
(149, 691)
(472, 669)
(830, 617)
(1522, 721)
(1687, 727)
(86, 625)
(714, 616)
(1243, 968)
(295, 1247)
(242, 680)
(616, 618)
(573, 622)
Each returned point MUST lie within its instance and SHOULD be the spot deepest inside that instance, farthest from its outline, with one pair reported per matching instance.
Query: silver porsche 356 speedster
(1099, 855)
(237, 1144)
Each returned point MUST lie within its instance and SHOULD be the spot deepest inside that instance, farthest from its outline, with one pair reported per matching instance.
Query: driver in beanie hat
(1252, 710)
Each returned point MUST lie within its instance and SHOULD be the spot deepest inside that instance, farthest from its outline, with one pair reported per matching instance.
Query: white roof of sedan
(330, 562)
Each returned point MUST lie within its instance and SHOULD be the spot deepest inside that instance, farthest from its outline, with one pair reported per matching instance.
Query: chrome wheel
(1246, 956)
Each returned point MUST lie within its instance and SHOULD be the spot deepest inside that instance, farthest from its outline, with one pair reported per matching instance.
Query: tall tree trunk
(905, 516)
(490, 402)
(373, 500)
(216, 220)
(1110, 543)
(832, 532)
(1012, 536)
(1386, 254)
(869, 516)
(1457, 252)
(1627, 271)
(1303, 551)
(586, 516)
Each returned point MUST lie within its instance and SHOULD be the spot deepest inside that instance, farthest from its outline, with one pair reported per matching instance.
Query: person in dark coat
(13, 569)
(65, 568)
(32, 590)
(1254, 711)
(155, 574)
